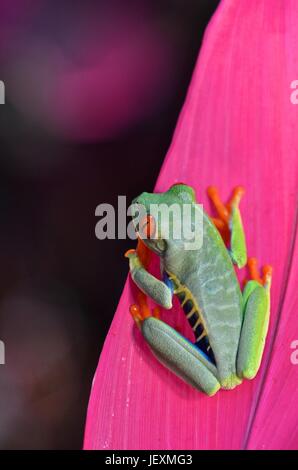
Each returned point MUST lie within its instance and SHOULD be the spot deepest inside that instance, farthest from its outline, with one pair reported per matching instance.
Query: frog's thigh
(180, 356)
(254, 329)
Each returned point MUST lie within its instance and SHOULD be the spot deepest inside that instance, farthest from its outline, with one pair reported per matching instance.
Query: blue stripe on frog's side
(168, 281)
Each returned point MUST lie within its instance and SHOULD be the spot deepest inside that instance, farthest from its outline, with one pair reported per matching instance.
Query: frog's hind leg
(180, 355)
(229, 223)
(173, 350)
(256, 301)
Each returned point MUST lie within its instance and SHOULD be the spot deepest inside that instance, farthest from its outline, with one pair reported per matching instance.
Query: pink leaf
(238, 126)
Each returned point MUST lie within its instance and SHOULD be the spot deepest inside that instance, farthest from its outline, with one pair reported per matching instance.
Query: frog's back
(209, 277)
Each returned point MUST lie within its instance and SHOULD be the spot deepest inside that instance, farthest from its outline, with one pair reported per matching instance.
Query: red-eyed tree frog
(229, 326)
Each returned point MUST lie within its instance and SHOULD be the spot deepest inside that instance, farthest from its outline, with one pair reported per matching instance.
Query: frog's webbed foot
(256, 312)
(254, 273)
(141, 311)
(229, 223)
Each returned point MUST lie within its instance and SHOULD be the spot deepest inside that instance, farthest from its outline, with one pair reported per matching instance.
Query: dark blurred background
(93, 93)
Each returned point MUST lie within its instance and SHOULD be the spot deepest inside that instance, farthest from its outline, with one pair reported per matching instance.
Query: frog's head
(158, 216)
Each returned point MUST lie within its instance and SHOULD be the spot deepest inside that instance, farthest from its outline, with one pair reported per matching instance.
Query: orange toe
(129, 252)
(136, 314)
(252, 264)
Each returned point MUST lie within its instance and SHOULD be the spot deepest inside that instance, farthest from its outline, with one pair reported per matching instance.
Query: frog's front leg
(150, 285)
(229, 223)
(256, 301)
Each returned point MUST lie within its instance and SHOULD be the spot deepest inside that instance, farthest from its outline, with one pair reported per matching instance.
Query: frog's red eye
(147, 227)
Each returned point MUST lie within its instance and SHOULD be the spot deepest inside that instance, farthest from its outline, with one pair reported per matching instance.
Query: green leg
(152, 287)
(229, 223)
(256, 300)
(180, 355)
(238, 244)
